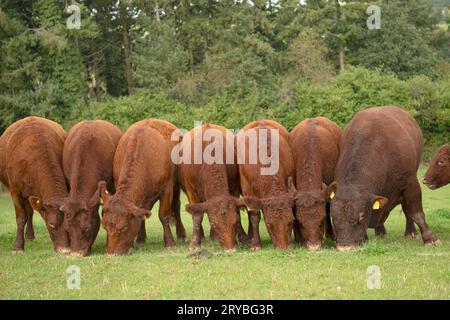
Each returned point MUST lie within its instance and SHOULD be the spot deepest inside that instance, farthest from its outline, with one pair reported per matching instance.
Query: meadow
(409, 270)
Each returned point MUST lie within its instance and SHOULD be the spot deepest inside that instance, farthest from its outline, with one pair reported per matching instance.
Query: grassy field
(409, 270)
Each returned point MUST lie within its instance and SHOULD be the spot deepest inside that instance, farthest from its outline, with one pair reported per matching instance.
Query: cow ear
(325, 190)
(196, 208)
(303, 201)
(331, 190)
(141, 213)
(103, 194)
(291, 186)
(35, 202)
(240, 203)
(378, 202)
(252, 203)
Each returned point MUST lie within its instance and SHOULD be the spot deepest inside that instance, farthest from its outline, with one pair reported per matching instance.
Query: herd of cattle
(330, 182)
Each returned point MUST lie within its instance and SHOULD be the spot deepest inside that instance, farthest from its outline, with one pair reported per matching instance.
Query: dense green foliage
(227, 62)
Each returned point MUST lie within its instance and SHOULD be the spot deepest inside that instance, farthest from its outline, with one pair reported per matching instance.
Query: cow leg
(297, 234)
(380, 231)
(255, 242)
(412, 206)
(180, 230)
(329, 232)
(242, 237)
(142, 234)
(21, 220)
(213, 234)
(164, 212)
(249, 231)
(197, 232)
(410, 229)
(202, 232)
(29, 231)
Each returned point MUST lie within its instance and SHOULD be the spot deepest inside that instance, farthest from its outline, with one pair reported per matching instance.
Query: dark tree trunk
(126, 49)
(342, 58)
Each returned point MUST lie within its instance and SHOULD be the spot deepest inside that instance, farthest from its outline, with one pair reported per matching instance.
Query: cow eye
(361, 217)
(441, 163)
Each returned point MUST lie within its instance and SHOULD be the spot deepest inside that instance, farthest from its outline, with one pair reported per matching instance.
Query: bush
(351, 91)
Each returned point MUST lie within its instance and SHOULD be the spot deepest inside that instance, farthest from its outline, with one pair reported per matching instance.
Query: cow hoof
(229, 250)
(411, 235)
(63, 250)
(194, 249)
(344, 248)
(169, 246)
(77, 254)
(436, 242)
(313, 247)
(255, 248)
(140, 241)
(182, 239)
(18, 251)
(29, 238)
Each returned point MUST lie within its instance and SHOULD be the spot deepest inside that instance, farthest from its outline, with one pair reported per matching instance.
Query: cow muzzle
(345, 248)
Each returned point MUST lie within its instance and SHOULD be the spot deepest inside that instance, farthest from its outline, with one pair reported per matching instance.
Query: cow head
(82, 222)
(352, 209)
(310, 213)
(222, 214)
(121, 220)
(278, 215)
(438, 173)
(53, 217)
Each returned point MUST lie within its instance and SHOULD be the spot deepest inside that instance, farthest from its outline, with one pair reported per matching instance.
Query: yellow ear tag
(101, 201)
(376, 205)
(38, 201)
(331, 195)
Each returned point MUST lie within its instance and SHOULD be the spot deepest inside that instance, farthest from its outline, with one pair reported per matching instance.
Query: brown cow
(32, 171)
(212, 187)
(377, 170)
(143, 173)
(315, 147)
(438, 173)
(272, 193)
(87, 159)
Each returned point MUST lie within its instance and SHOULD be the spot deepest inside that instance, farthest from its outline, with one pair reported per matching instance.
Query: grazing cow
(272, 193)
(315, 147)
(143, 173)
(31, 168)
(438, 173)
(212, 187)
(377, 170)
(87, 159)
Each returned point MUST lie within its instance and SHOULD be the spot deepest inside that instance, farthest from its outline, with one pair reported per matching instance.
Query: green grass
(409, 270)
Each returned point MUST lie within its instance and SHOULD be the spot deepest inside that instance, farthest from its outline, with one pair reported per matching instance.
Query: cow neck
(365, 176)
(133, 184)
(309, 167)
(83, 181)
(216, 175)
(133, 189)
(51, 180)
(270, 186)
